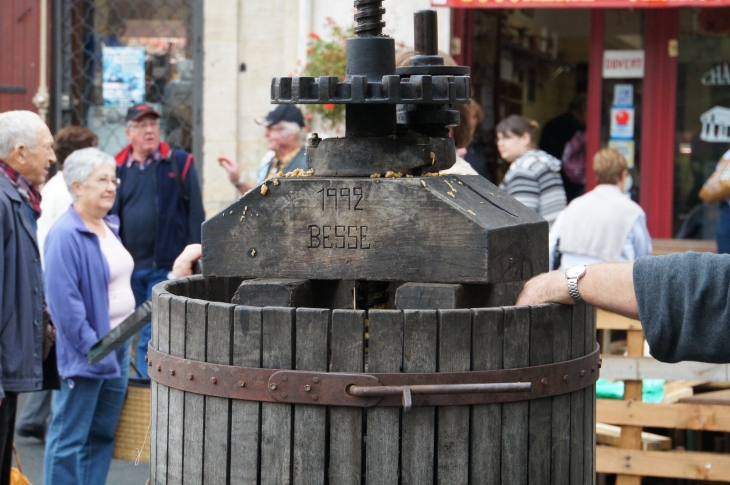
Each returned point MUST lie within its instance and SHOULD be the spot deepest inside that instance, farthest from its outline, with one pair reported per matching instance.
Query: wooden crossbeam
(664, 464)
(680, 416)
(637, 368)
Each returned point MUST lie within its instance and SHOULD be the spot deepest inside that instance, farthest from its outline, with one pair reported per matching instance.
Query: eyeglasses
(145, 124)
(104, 181)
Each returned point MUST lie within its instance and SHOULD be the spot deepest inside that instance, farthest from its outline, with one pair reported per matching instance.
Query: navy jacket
(78, 295)
(21, 296)
(178, 223)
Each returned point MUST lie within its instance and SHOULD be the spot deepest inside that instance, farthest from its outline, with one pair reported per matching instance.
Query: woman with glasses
(88, 274)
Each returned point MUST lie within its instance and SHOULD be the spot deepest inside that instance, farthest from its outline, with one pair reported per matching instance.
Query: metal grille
(110, 54)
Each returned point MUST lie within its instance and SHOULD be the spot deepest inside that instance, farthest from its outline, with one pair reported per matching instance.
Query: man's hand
(183, 265)
(232, 168)
(546, 288)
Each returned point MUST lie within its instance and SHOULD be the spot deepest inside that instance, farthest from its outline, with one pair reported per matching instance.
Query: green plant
(327, 57)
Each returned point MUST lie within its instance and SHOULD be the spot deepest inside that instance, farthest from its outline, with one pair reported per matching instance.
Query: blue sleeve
(555, 237)
(63, 294)
(641, 238)
(196, 215)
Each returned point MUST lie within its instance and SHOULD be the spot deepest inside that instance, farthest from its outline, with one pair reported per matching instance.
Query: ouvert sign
(620, 64)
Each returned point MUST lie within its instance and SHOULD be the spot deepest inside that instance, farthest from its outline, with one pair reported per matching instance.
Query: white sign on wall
(623, 95)
(626, 147)
(623, 64)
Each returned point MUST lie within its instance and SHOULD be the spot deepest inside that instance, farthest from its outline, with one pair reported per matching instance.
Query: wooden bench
(669, 246)
(629, 460)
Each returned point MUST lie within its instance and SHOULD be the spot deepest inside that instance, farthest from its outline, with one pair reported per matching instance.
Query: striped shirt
(534, 179)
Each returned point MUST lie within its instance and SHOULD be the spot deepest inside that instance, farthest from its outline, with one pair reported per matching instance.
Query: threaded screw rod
(369, 18)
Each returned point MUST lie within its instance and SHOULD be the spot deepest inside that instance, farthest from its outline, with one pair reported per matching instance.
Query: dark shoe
(38, 433)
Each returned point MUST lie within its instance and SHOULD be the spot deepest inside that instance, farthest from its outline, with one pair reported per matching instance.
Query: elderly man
(159, 204)
(603, 225)
(285, 135)
(26, 155)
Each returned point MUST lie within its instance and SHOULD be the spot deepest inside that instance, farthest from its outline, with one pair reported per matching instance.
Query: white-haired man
(286, 136)
(26, 155)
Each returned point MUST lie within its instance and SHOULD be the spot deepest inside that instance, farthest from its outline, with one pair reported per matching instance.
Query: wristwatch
(572, 275)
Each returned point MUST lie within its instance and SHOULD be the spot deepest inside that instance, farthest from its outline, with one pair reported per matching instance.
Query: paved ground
(31, 453)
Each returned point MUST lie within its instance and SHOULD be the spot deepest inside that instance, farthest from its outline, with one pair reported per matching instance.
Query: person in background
(559, 131)
(286, 135)
(36, 413)
(26, 155)
(159, 205)
(462, 134)
(533, 177)
(90, 294)
(475, 154)
(603, 225)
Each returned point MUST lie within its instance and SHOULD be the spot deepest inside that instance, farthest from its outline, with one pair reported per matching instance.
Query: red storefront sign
(577, 3)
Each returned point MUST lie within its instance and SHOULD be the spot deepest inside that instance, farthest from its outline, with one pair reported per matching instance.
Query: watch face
(575, 272)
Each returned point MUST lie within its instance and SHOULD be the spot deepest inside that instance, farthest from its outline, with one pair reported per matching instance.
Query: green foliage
(328, 58)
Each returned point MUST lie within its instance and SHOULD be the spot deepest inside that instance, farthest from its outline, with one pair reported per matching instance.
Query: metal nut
(565, 377)
(285, 378)
(544, 381)
(315, 397)
(172, 372)
(149, 363)
(272, 387)
(191, 377)
(159, 368)
(307, 387)
(283, 394)
(241, 384)
(582, 373)
(315, 380)
(214, 380)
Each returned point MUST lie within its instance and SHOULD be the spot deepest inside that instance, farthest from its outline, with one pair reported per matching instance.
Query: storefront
(655, 74)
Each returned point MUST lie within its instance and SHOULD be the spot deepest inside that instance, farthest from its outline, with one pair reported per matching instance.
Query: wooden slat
(665, 464)
(153, 399)
(383, 439)
(670, 246)
(515, 415)
(637, 368)
(452, 454)
(589, 396)
(560, 459)
(216, 461)
(162, 323)
(542, 320)
(278, 353)
(177, 397)
(607, 434)
(486, 423)
(682, 416)
(577, 401)
(310, 422)
(245, 417)
(194, 432)
(348, 348)
(419, 355)
(611, 321)
(631, 435)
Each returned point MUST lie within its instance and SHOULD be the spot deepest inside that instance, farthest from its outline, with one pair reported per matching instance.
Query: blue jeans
(723, 230)
(80, 440)
(142, 282)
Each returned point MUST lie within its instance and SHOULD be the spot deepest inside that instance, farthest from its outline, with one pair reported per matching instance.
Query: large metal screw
(172, 372)
(307, 387)
(191, 377)
(214, 380)
(315, 380)
(159, 368)
(241, 384)
(369, 18)
(273, 387)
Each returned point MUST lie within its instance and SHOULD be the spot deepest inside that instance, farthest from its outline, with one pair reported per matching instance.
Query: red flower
(313, 35)
(329, 106)
(310, 51)
(329, 20)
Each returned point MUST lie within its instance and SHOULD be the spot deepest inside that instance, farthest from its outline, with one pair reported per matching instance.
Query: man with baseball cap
(286, 135)
(159, 204)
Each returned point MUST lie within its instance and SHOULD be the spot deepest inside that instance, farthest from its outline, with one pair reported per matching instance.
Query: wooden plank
(419, 355)
(310, 422)
(542, 320)
(348, 349)
(216, 461)
(631, 435)
(670, 246)
(515, 415)
(611, 321)
(177, 397)
(245, 415)
(666, 464)
(276, 430)
(383, 432)
(681, 416)
(560, 435)
(607, 434)
(638, 368)
(358, 232)
(589, 396)
(720, 398)
(429, 296)
(577, 401)
(452, 453)
(486, 422)
(162, 323)
(194, 432)
(274, 292)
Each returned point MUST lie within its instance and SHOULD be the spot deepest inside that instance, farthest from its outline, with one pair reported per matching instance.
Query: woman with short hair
(88, 294)
(533, 177)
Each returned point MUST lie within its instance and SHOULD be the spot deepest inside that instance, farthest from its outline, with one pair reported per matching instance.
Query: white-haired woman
(88, 274)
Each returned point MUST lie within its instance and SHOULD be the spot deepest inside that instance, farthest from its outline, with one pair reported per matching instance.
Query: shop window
(703, 116)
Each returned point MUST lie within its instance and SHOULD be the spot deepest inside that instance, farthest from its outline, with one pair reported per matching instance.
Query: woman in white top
(88, 279)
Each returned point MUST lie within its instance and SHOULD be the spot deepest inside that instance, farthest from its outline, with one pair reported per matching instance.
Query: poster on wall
(626, 148)
(622, 123)
(623, 95)
(123, 76)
